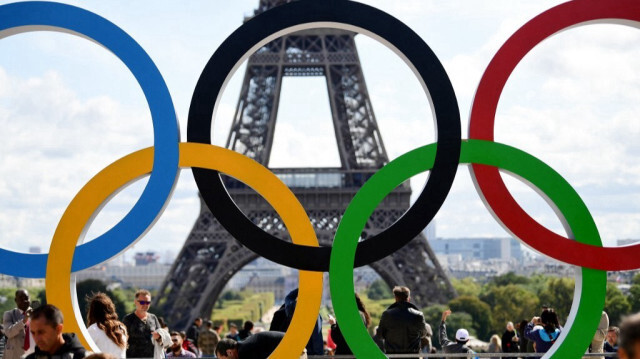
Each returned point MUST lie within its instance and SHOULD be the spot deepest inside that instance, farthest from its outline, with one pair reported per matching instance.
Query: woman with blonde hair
(109, 334)
(494, 345)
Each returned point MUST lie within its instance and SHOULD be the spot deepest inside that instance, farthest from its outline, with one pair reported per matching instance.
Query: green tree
(634, 298)
(510, 303)
(379, 290)
(559, 295)
(232, 295)
(615, 304)
(466, 286)
(480, 313)
(508, 278)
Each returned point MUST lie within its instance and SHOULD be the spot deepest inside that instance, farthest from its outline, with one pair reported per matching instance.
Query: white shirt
(104, 343)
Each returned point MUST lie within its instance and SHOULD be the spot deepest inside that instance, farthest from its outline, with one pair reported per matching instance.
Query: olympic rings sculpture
(163, 160)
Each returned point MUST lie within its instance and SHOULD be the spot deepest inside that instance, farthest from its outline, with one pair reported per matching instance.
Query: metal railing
(459, 355)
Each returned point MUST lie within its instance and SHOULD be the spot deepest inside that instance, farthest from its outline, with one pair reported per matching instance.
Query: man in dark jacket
(46, 328)
(402, 325)
(462, 337)
(194, 331)
(257, 346)
(282, 318)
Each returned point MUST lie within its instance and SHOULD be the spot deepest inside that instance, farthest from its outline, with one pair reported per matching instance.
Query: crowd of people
(37, 333)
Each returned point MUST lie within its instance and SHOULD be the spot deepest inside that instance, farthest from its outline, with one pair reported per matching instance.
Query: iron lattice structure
(211, 256)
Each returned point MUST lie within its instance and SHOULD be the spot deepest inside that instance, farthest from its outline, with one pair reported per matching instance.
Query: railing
(459, 355)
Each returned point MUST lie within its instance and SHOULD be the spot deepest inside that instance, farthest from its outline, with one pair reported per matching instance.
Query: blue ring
(165, 131)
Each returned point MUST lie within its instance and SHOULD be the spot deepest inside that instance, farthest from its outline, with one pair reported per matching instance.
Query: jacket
(14, 330)
(449, 346)
(403, 328)
(282, 318)
(541, 337)
(71, 349)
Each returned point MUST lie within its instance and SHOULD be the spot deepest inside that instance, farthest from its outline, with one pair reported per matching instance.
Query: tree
(615, 304)
(379, 290)
(466, 286)
(480, 313)
(232, 295)
(510, 303)
(559, 295)
(634, 297)
(509, 278)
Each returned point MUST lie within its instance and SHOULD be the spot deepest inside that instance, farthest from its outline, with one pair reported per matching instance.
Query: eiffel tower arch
(211, 256)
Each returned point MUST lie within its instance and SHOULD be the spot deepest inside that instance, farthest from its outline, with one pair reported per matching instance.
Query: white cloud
(571, 102)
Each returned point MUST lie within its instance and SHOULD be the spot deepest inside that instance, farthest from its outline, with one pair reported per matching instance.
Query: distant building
(274, 285)
(478, 248)
(148, 276)
(430, 231)
(7, 281)
(143, 259)
(262, 272)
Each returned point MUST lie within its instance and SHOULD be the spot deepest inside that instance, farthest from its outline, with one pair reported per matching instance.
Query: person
(402, 325)
(257, 346)
(208, 340)
(543, 330)
(163, 324)
(16, 328)
(147, 339)
(100, 356)
(462, 338)
(336, 334)
(377, 338)
(629, 338)
(495, 346)
(233, 332)
(510, 340)
(611, 344)
(46, 326)
(526, 346)
(282, 318)
(597, 344)
(176, 350)
(246, 330)
(187, 344)
(194, 331)
(109, 334)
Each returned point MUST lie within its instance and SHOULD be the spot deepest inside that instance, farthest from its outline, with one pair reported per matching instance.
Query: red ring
(482, 122)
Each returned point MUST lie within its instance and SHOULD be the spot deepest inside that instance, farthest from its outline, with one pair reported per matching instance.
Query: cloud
(54, 143)
(572, 102)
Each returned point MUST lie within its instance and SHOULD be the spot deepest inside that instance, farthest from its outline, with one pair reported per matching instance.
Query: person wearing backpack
(543, 330)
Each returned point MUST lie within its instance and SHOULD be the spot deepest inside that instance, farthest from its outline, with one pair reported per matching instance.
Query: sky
(68, 108)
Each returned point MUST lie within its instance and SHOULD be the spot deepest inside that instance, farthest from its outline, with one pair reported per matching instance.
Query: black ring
(417, 52)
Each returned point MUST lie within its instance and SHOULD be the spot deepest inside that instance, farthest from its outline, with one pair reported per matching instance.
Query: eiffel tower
(211, 256)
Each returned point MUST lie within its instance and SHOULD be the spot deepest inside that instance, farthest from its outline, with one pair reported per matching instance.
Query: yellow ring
(60, 283)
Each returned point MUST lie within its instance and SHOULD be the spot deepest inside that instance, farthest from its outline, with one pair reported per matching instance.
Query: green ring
(583, 318)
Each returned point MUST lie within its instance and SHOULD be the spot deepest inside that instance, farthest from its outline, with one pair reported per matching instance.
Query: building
(7, 281)
(263, 275)
(478, 248)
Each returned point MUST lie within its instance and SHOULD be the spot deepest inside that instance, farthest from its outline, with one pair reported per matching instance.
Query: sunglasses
(144, 302)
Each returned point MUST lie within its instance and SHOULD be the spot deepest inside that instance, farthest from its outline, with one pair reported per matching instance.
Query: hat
(462, 335)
